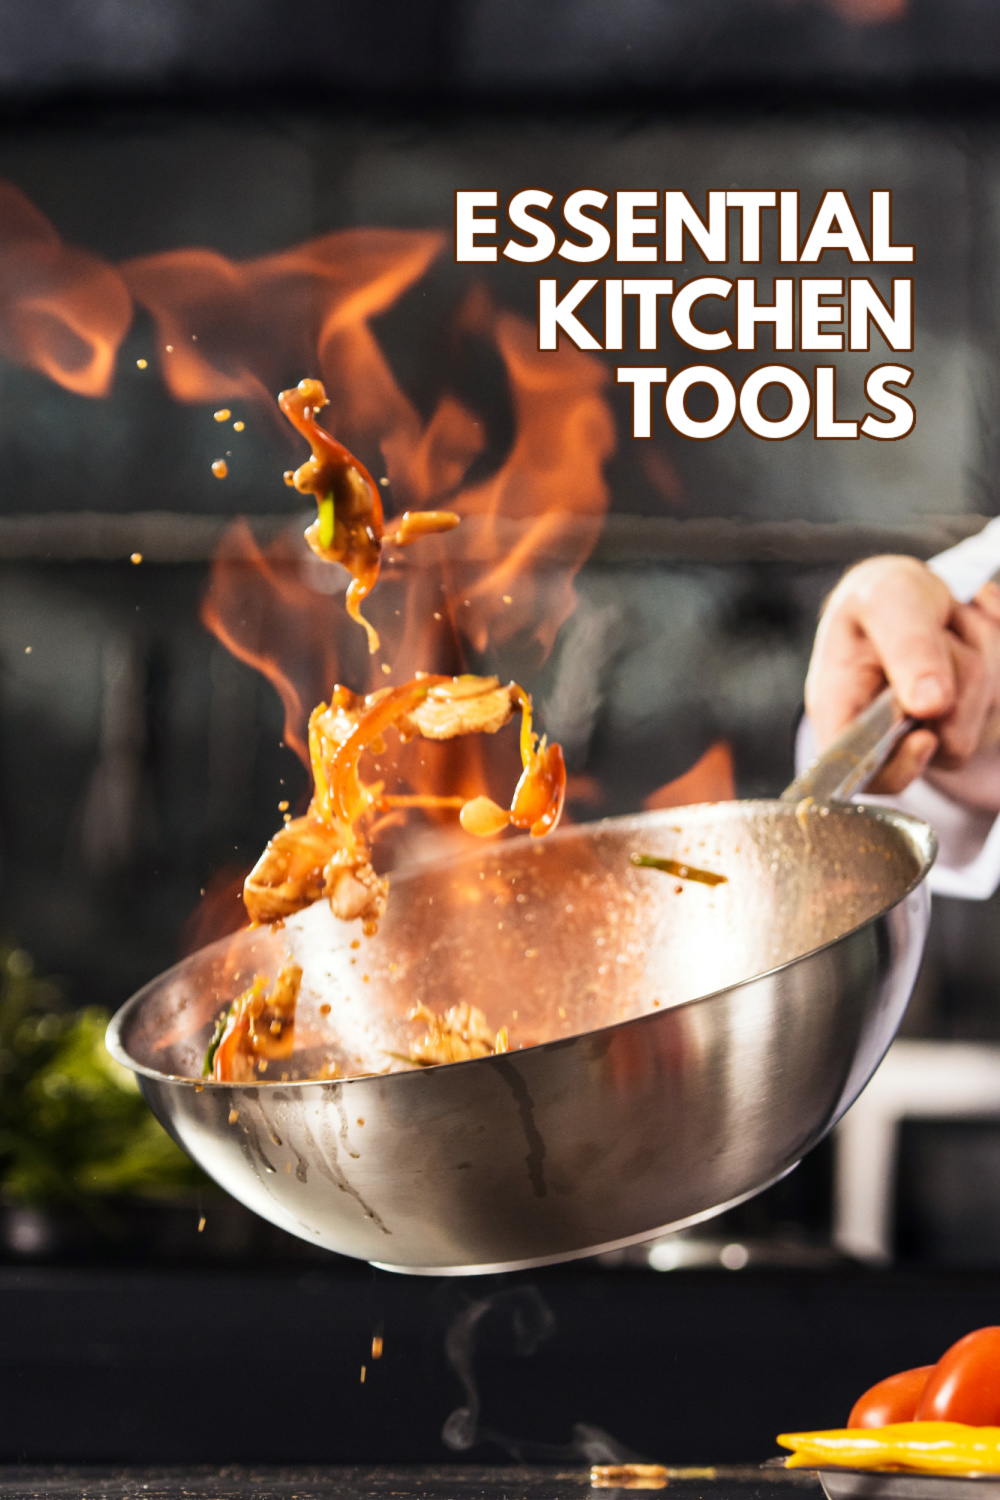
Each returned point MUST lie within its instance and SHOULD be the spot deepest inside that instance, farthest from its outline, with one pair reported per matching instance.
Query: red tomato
(894, 1399)
(964, 1385)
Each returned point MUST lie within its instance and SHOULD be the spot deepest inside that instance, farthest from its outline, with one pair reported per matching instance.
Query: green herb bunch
(73, 1126)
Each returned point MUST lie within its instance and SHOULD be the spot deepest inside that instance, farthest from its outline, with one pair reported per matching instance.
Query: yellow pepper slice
(932, 1447)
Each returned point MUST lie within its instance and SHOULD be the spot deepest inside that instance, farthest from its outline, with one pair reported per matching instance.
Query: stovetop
(452, 1482)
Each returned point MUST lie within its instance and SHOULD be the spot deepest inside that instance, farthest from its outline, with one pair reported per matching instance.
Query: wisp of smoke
(531, 1322)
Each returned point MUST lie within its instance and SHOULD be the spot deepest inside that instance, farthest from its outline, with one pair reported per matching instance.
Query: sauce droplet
(223, 414)
(238, 426)
(142, 364)
(136, 558)
(220, 468)
(483, 818)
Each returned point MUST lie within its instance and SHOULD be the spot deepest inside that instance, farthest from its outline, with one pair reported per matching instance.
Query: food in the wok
(459, 1035)
(676, 868)
(941, 1419)
(258, 1027)
(349, 528)
(326, 853)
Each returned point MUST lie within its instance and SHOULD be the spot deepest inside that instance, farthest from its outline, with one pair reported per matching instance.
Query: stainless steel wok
(684, 1046)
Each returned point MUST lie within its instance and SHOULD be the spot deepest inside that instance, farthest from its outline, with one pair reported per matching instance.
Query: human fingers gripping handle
(974, 722)
(908, 762)
(884, 622)
(892, 620)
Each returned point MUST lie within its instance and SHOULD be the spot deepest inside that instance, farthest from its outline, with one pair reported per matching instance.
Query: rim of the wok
(922, 833)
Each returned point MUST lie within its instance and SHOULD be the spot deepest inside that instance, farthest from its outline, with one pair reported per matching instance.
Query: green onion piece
(326, 521)
(672, 867)
(213, 1046)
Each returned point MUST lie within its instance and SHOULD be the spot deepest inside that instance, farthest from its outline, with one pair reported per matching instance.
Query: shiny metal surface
(854, 758)
(683, 1045)
(875, 1484)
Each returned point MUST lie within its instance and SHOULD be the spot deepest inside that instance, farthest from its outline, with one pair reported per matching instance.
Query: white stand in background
(917, 1080)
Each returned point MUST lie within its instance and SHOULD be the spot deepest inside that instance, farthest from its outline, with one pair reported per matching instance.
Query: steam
(531, 1323)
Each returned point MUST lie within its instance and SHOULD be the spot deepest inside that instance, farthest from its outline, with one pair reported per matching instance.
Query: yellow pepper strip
(932, 1447)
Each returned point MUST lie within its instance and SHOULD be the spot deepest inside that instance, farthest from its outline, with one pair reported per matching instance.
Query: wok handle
(857, 754)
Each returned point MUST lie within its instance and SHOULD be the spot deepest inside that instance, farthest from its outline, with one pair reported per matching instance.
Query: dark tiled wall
(459, 48)
(131, 184)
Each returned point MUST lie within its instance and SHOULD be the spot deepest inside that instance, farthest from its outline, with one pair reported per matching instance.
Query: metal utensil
(684, 1045)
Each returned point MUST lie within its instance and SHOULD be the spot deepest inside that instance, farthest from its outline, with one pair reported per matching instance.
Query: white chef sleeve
(968, 862)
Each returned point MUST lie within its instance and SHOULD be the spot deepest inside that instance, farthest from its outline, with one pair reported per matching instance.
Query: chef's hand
(890, 619)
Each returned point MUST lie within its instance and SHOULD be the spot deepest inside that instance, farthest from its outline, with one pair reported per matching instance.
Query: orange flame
(526, 532)
(870, 12)
(710, 779)
(240, 329)
(229, 330)
(218, 913)
(551, 485)
(262, 611)
(62, 310)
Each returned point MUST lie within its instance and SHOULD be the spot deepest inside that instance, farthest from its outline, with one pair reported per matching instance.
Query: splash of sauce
(349, 528)
(540, 793)
(326, 852)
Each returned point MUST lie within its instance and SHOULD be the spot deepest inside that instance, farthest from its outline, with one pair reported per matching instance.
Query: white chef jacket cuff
(967, 566)
(968, 862)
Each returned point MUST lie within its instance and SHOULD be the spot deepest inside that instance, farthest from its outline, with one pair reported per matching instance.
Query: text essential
(821, 314)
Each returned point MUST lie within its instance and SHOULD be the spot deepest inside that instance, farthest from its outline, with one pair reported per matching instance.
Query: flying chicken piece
(349, 528)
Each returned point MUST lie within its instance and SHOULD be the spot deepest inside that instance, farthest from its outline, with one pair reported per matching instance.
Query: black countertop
(124, 1366)
(458, 1482)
